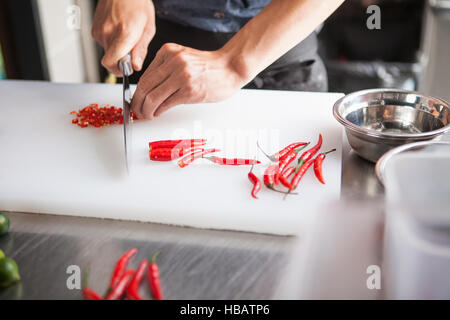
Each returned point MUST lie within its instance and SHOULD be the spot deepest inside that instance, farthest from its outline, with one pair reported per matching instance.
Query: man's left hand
(182, 75)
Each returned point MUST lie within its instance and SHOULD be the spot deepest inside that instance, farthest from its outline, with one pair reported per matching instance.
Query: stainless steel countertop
(195, 264)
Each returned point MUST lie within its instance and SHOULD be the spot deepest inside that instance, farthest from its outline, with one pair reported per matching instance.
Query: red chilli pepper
(285, 176)
(117, 292)
(255, 181)
(90, 294)
(269, 177)
(168, 154)
(232, 162)
(182, 144)
(300, 173)
(193, 156)
(318, 165)
(287, 172)
(308, 154)
(285, 182)
(282, 153)
(133, 288)
(286, 161)
(153, 278)
(121, 265)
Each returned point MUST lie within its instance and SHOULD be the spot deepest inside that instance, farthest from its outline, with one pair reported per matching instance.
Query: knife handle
(125, 65)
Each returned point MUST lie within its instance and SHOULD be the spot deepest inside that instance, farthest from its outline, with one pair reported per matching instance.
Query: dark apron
(300, 69)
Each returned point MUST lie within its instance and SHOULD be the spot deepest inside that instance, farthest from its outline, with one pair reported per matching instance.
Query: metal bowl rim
(381, 163)
(373, 133)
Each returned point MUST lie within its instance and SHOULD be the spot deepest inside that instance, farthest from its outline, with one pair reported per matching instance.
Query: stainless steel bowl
(426, 147)
(378, 120)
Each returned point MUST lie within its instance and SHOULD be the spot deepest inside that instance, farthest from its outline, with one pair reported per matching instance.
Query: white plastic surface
(49, 165)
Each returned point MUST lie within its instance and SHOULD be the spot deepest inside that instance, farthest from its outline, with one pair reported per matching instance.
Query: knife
(127, 70)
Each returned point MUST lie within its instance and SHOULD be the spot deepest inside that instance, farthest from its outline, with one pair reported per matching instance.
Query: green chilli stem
(302, 147)
(157, 253)
(86, 276)
(267, 155)
(332, 150)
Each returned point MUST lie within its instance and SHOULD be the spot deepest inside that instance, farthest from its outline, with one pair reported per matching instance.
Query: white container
(417, 234)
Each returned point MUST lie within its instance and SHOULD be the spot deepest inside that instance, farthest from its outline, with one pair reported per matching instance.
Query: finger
(162, 56)
(145, 85)
(175, 99)
(139, 51)
(95, 33)
(101, 32)
(157, 96)
(157, 72)
(137, 101)
(164, 53)
(99, 27)
(120, 45)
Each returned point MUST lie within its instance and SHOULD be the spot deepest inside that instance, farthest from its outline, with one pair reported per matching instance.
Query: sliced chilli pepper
(168, 154)
(308, 154)
(121, 265)
(255, 181)
(278, 156)
(185, 143)
(233, 161)
(117, 292)
(96, 116)
(154, 279)
(196, 155)
(286, 161)
(318, 165)
(300, 173)
(133, 288)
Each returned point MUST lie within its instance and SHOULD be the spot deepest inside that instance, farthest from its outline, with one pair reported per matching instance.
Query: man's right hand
(123, 26)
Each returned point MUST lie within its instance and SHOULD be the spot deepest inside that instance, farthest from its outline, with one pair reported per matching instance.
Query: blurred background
(51, 40)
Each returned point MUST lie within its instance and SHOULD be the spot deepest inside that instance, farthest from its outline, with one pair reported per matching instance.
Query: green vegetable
(4, 223)
(9, 272)
(2, 254)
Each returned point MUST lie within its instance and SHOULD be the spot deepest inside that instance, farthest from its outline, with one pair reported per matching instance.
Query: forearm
(275, 30)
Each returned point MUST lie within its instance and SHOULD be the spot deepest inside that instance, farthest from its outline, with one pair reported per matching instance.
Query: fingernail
(138, 62)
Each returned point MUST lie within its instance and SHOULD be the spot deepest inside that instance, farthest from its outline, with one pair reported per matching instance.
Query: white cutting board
(49, 165)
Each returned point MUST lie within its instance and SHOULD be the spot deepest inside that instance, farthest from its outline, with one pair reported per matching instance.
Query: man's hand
(182, 75)
(123, 26)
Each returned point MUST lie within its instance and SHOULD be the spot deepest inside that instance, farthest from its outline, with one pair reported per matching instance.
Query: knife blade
(127, 70)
